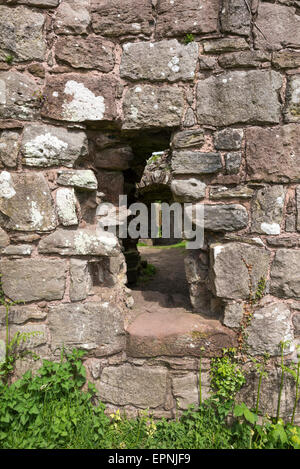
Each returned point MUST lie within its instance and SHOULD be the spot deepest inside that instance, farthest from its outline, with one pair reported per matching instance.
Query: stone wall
(88, 89)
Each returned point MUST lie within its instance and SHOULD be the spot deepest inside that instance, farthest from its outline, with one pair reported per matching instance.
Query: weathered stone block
(25, 202)
(133, 385)
(267, 210)
(89, 53)
(83, 179)
(159, 61)
(231, 217)
(237, 192)
(225, 44)
(188, 138)
(9, 148)
(111, 184)
(18, 250)
(21, 34)
(298, 207)
(39, 3)
(233, 314)
(47, 145)
(273, 154)
(280, 26)
(235, 17)
(193, 16)
(81, 281)
(292, 111)
(114, 158)
(149, 106)
(269, 326)
(286, 59)
(19, 96)
(66, 206)
(188, 190)
(122, 17)
(234, 97)
(72, 17)
(186, 389)
(90, 326)
(228, 139)
(38, 335)
(33, 279)
(285, 274)
(4, 239)
(229, 272)
(188, 162)
(233, 161)
(244, 59)
(79, 98)
(80, 242)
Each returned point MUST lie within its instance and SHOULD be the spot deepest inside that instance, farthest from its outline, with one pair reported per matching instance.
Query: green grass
(182, 245)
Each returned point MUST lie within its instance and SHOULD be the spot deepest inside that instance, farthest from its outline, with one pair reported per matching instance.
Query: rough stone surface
(280, 26)
(269, 326)
(286, 59)
(159, 61)
(176, 334)
(37, 335)
(285, 276)
(227, 44)
(229, 217)
(83, 179)
(88, 53)
(84, 241)
(228, 139)
(147, 106)
(89, 326)
(79, 98)
(292, 112)
(66, 206)
(4, 239)
(186, 389)
(122, 17)
(19, 96)
(229, 273)
(81, 281)
(233, 314)
(188, 162)
(25, 202)
(9, 148)
(239, 97)
(18, 250)
(188, 138)
(239, 192)
(33, 279)
(72, 17)
(245, 59)
(233, 162)
(267, 210)
(138, 386)
(111, 184)
(235, 17)
(47, 145)
(298, 208)
(114, 158)
(40, 3)
(273, 154)
(21, 34)
(188, 190)
(195, 16)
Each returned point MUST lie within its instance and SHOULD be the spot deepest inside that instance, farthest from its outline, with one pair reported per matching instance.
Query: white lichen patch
(173, 64)
(2, 92)
(270, 228)
(44, 150)
(66, 206)
(36, 216)
(217, 250)
(7, 190)
(84, 106)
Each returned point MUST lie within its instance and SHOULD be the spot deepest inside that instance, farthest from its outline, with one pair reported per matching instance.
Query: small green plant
(260, 290)
(297, 383)
(260, 368)
(227, 377)
(9, 59)
(147, 273)
(283, 346)
(202, 349)
(189, 38)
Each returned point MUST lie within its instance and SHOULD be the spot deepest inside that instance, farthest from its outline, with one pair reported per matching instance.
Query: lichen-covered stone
(280, 26)
(19, 96)
(292, 111)
(81, 281)
(79, 98)
(72, 17)
(21, 34)
(138, 386)
(226, 44)
(188, 138)
(89, 53)
(272, 154)
(66, 206)
(233, 161)
(90, 326)
(159, 61)
(195, 162)
(33, 279)
(47, 145)
(239, 97)
(235, 17)
(147, 106)
(18, 250)
(176, 18)
(80, 242)
(223, 192)
(188, 190)
(9, 148)
(122, 17)
(228, 139)
(285, 275)
(83, 179)
(25, 202)
(267, 210)
(229, 273)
